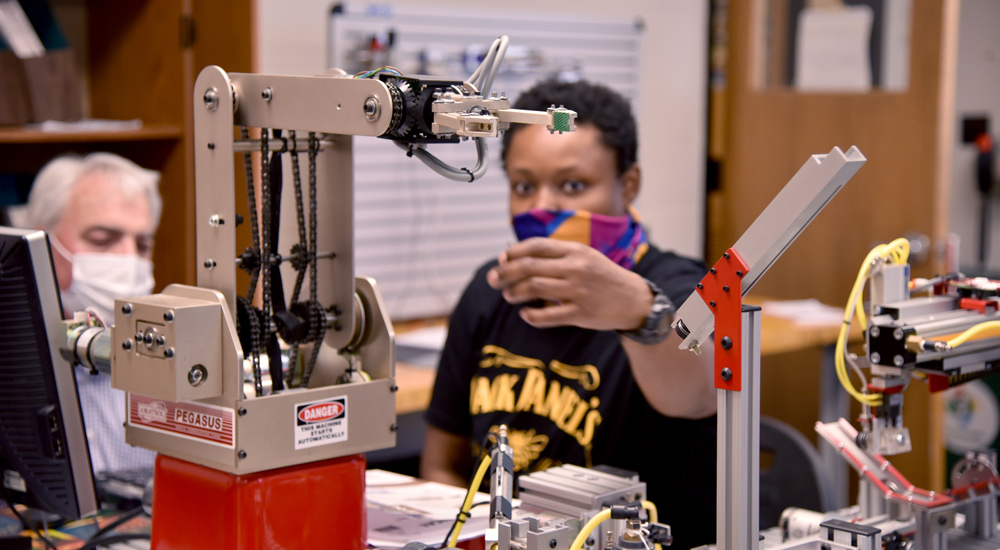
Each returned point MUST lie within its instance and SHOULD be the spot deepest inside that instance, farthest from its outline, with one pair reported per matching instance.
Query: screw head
(898, 360)
(168, 353)
(875, 357)
(168, 316)
(127, 309)
(727, 342)
(267, 94)
(726, 374)
(209, 263)
(372, 108)
(211, 99)
(127, 345)
(875, 332)
(197, 375)
(711, 303)
(242, 454)
(242, 411)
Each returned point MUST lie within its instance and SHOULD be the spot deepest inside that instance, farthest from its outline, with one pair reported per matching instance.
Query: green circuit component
(561, 121)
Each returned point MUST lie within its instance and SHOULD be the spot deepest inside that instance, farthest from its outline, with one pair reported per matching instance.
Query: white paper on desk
(832, 50)
(804, 312)
(402, 509)
(421, 346)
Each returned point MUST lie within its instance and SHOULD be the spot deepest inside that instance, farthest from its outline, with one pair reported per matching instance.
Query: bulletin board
(419, 235)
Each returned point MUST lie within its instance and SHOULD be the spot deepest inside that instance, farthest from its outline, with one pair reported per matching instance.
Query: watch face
(666, 318)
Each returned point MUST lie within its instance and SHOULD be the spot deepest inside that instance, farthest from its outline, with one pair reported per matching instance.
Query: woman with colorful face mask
(565, 338)
(100, 212)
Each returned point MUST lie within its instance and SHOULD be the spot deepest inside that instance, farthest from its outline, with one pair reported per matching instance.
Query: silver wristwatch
(658, 321)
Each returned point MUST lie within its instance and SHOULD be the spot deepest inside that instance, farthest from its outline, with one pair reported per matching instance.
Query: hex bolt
(211, 98)
(127, 309)
(168, 316)
(727, 374)
(127, 345)
(168, 353)
(727, 342)
(267, 94)
(242, 454)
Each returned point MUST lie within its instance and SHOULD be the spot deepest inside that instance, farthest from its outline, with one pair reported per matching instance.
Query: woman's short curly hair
(595, 104)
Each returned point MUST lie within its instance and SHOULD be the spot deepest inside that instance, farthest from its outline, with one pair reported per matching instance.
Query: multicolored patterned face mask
(620, 238)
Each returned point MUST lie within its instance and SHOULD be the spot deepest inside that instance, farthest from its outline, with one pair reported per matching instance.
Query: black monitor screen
(43, 447)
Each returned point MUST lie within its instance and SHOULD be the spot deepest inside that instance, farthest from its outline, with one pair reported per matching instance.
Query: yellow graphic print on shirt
(530, 392)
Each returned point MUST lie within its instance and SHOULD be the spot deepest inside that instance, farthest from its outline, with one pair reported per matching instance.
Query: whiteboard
(420, 236)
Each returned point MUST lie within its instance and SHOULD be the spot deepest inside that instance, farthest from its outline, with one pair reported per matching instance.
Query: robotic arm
(197, 352)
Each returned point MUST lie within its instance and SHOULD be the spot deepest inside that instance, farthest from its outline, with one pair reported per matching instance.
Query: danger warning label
(320, 422)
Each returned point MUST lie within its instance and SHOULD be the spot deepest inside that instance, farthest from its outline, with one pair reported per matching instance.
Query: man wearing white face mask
(100, 212)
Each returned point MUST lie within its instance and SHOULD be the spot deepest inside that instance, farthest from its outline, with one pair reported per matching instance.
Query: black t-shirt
(567, 396)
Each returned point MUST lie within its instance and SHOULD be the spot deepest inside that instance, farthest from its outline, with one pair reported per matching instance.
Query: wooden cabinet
(142, 59)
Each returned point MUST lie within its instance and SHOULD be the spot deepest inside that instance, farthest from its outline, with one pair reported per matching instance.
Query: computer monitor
(44, 456)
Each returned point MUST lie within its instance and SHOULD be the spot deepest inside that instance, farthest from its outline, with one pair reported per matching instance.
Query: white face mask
(99, 278)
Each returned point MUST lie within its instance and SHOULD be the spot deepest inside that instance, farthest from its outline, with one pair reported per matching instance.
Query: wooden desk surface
(777, 336)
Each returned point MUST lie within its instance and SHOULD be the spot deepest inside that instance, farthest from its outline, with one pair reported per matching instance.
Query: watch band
(658, 321)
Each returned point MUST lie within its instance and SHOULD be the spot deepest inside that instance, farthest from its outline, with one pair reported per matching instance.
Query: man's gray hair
(54, 185)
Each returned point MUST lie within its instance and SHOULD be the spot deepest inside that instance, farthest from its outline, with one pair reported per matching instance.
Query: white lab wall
(671, 112)
(977, 94)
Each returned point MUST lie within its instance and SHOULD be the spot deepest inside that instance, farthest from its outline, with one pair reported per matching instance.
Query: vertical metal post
(335, 210)
(215, 201)
(738, 477)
